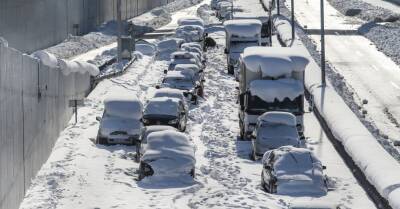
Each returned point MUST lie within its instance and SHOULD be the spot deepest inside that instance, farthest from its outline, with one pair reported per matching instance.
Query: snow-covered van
(121, 121)
(240, 34)
(271, 79)
(265, 29)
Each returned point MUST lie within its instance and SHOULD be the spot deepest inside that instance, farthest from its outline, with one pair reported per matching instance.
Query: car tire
(193, 173)
(263, 185)
(231, 70)
(200, 92)
(253, 155)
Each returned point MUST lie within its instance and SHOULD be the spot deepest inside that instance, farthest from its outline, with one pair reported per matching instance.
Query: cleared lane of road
(370, 74)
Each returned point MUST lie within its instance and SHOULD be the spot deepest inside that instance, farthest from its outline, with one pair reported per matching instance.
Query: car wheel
(230, 69)
(253, 156)
(263, 185)
(272, 188)
(200, 92)
(193, 172)
(241, 132)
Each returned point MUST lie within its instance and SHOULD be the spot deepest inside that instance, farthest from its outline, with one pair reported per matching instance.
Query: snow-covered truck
(240, 34)
(272, 79)
(265, 20)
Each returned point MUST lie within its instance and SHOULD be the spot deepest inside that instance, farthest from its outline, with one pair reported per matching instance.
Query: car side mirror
(158, 87)
(268, 167)
(98, 118)
(226, 51)
(323, 167)
(165, 71)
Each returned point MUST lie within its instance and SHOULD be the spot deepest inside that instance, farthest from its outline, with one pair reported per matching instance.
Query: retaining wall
(29, 25)
(33, 111)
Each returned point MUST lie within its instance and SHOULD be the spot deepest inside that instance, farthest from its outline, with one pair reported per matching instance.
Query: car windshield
(259, 106)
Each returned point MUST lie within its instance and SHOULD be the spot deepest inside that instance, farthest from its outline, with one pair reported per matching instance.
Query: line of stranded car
(271, 105)
(156, 127)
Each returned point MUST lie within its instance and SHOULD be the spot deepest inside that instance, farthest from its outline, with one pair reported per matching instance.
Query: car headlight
(172, 122)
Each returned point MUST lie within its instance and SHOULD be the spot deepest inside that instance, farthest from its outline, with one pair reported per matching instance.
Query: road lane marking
(395, 85)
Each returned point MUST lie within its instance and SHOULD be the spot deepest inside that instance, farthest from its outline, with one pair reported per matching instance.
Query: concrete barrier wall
(29, 25)
(33, 111)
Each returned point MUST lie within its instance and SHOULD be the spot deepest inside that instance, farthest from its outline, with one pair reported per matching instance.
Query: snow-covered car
(166, 47)
(191, 45)
(293, 171)
(165, 111)
(145, 47)
(183, 57)
(141, 147)
(191, 21)
(214, 3)
(171, 93)
(196, 51)
(121, 121)
(265, 29)
(274, 130)
(225, 10)
(183, 81)
(191, 33)
(315, 204)
(168, 154)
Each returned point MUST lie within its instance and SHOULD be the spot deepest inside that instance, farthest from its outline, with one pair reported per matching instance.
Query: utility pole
(293, 31)
(119, 28)
(278, 9)
(323, 79)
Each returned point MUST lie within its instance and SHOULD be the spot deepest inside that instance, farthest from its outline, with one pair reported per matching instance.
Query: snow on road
(81, 174)
(387, 4)
(370, 74)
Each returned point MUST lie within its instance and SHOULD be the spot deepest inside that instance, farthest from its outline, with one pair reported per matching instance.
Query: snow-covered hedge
(380, 168)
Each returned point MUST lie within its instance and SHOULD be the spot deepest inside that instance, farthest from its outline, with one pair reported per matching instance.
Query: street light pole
(293, 31)
(119, 32)
(323, 79)
(278, 9)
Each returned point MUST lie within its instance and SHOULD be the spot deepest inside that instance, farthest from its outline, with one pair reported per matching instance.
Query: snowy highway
(370, 75)
(82, 174)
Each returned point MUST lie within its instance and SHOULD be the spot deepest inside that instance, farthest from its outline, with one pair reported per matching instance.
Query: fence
(33, 111)
(36, 24)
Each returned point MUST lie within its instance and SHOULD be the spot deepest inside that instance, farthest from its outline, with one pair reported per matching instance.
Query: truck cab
(265, 28)
(272, 79)
(240, 34)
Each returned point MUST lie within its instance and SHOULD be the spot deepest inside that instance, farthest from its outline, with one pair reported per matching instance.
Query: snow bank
(379, 167)
(68, 67)
(274, 61)
(243, 27)
(169, 152)
(46, 58)
(278, 118)
(271, 90)
(124, 106)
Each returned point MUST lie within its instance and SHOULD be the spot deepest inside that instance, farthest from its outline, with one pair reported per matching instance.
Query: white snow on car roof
(169, 152)
(182, 55)
(243, 27)
(179, 74)
(185, 67)
(162, 106)
(170, 44)
(169, 92)
(123, 106)
(277, 117)
(262, 18)
(191, 21)
(269, 90)
(292, 160)
(274, 61)
(192, 44)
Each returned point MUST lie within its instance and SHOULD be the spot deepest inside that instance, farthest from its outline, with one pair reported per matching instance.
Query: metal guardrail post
(293, 24)
(323, 69)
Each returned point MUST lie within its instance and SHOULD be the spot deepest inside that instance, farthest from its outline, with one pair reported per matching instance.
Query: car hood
(109, 125)
(301, 185)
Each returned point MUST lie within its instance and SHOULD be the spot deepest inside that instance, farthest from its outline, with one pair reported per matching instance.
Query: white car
(191, 45)
(168, 154)
(191, 21)
(182, 57)
(191, 33)
(165, 111)
(293, 171)
(273, 130)
(121, 121)
(141, 147)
